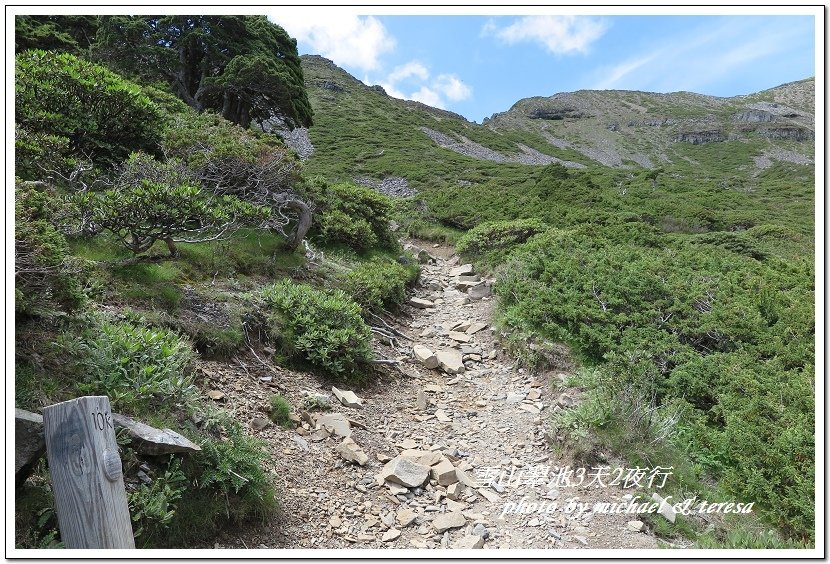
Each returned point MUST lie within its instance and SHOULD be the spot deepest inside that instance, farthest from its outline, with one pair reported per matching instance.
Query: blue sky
(477, 65)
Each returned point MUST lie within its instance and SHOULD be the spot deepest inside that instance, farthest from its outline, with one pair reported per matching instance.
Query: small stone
(491, 496)
(533, 522)
(469, 542)
(665, 508)
(352, 452)
(463, 270)
(460, 337)
(446, 521)
(442, 416)
(405, 472)
(420, 303)
(478, 292)
(444, 472)
(530, 408)
(347, 397)
(534, 394)
(421, 402)
(635, 526)
(425, 356)
(335, 522)
(475, 328)
(259, 423)
(390, 535)
(515, 397)
(405, 517)
(336, 423)
(407, 444)
(451, 361)
(481, 531)
(397, 489)
(465, 478)
(565, 400)
(455, 491)
(215, 395)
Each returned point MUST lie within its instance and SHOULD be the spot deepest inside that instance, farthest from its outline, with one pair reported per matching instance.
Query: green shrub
(281, 411)
(350, 215)
(103, 116)
(135, 366)
(153, 506)
(679, 326)
(495, 238)
(46, 277)
(323, 327)
(231, 469)
(150, 211)
(380, 283)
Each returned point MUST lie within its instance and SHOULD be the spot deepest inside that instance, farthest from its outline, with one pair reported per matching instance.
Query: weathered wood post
(87, 480)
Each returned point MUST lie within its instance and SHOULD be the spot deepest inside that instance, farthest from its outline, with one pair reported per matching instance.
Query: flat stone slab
(347, 397)
(463, 270)
(337, 422)
(460, 337)
(29, 443)
(447, 521)
(152, 441)
(420, 303)
(469, 542)
(405, 472)
(475, 328)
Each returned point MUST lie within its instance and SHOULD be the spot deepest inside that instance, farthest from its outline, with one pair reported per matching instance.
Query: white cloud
(452, 87)
(428, 97)
(558, 34)
(415, 77)
(348, 40)
(412, 68)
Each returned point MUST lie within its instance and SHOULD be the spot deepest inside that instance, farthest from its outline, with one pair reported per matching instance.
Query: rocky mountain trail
(449, 451)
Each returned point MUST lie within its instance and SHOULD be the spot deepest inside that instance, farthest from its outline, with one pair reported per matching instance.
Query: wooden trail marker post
(86, 472)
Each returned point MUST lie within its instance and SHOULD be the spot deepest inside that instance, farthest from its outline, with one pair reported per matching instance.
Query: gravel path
(488, 421)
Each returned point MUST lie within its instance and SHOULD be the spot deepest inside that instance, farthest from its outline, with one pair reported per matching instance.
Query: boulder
(352, 452)
(446, 521)
(473, 278)
(425, 356)
(450, 361)
(347, 397)
(29, 443)
(151, 441)
(405, 472)
(455, 491)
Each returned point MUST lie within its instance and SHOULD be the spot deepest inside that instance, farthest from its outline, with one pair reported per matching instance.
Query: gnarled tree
(244, 67)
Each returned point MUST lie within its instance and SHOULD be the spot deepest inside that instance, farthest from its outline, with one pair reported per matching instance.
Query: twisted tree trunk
(303, 225)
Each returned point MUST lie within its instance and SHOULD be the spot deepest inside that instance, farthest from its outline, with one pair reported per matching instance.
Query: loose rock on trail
(449, 452)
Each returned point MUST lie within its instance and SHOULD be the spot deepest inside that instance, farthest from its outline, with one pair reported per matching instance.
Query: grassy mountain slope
(665, 239)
